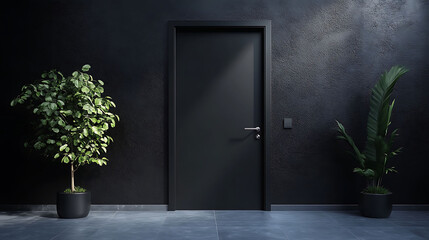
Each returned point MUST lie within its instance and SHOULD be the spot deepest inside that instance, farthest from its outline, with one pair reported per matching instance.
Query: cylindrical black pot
(375, 205)
(73, 205)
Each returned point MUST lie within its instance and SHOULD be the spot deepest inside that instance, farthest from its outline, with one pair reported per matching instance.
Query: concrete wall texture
(326, 57)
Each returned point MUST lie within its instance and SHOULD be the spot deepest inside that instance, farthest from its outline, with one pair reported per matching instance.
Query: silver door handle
(253, 129)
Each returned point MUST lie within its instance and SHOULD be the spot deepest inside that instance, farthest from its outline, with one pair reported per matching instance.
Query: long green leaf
(380, 111)
(343, 135)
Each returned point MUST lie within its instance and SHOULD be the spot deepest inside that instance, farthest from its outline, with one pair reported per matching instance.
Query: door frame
(265, 27)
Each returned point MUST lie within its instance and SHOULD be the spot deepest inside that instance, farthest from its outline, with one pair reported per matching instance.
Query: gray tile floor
(204, 225)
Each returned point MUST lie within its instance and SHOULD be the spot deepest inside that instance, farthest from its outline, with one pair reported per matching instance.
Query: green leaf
(95, 130)
(85, 132)
(90, 84)
(75, 73)
(86, 77)
(100, 89)
(61, 123)
(101, 82)
(53, 123)
(392, 169)
(72, 156)
(85, 89)
(86, 107)
(97, 101)
(67, 112)
(369, 173)
(60, 102)
(76, 83)
(48, 99)
(86, 67)
(65, 159)
(100, 162)
(55, 130)
(63, 147)
(57, 155)
(53, 106)
(358, 155)
(39, 145)
(50, 141)
(48, 112)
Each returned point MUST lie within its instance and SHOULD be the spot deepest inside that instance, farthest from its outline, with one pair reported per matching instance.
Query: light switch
(287, 123)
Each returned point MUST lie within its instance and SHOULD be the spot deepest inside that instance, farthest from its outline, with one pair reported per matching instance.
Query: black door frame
(265, 27)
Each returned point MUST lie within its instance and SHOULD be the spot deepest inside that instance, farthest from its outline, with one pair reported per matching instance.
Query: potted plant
(71, 121)
(375, 200)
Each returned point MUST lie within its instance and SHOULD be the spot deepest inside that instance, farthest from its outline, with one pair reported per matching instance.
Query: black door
(219, 92)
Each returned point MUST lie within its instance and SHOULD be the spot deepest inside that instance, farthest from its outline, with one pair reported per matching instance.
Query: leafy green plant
(378, 150)
(72, 117)
(77, 189)
(376, 190)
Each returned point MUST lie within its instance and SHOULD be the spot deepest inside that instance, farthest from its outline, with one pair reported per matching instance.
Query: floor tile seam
(217, 229)
(109, 219)
(56, 235)
(286, 237)
(354, 235)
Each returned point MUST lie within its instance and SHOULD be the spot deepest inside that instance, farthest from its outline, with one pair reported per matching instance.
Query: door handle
(257, 129)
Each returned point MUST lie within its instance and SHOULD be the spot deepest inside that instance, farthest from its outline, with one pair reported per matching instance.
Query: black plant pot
(375, 205)
(73, 205)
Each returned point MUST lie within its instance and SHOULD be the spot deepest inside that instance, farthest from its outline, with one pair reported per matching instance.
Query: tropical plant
(378, 150)
(72, 117)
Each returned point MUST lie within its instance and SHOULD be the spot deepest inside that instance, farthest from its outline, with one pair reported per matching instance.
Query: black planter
(73, 205)
(375, 205)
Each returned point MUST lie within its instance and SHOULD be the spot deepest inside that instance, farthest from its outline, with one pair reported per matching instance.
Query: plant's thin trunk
(72, 177)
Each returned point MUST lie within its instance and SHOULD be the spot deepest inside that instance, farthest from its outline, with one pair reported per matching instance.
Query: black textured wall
(326, 56)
